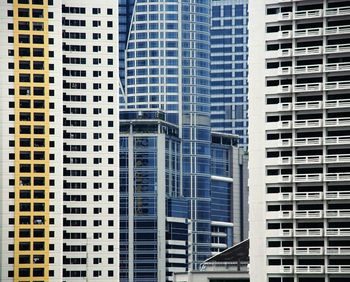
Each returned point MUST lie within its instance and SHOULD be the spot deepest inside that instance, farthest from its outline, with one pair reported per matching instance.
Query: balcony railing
(308, 214)
(279, 233)
(312, 141)
(308, 32)
(337, 177)
(338, 269)
(340, 140)
(337, 213)
(309, 269)
(308, 251)
(337, 67)
(337, 11)
(279, 197)
(337, 251)
(337, 103)
(337, 158)
(337, 122)
(303, 51)
(278, 143)
(337, 30)
(314, 105)
(308, 14)
(312, 196)
(339, 85)
(279, 215)
(308, 232)
(308, 177)
(307, 160)
(308, 87)
(337, 48)
(279, 53)
(337, 195)
(307, 123)
(337, 232)
(307, 69)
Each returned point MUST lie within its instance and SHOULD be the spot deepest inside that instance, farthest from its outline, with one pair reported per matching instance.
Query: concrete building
(230, 265)
(59, 215)
(229, 68)
(299, 114)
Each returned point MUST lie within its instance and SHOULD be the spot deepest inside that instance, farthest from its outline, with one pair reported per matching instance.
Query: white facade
(59, 141)
(299, 140)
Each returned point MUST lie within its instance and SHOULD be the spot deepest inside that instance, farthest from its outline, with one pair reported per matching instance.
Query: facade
(167, 67)
(229, 195)
(230, 265)
(299, 141)
(229, 68)
(59, 209)
(153, 212)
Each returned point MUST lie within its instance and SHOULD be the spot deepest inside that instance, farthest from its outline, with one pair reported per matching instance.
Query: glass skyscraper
(167, 67)
(229, 69)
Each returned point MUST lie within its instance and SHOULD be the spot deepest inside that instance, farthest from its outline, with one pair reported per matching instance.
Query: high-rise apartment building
(60, 142)
(167, 67)
(299, 118)
(229, 68)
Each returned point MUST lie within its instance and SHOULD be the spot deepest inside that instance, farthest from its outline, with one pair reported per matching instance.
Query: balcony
(308, 87)
(307, 69)
(308, 32)
(341, 140)
(279, 161)
(279, 71)
(330, 122)
(307, 51)
(344, 103)
(278, 89)
(314, 105)
(337, 159)
(285, 124)
(308, 196)
(337, 195)
(337, 67)
(308, 177)
(342, 11)
(312, 141)
(283, 34)
(311, 232)
(280, 269)
(334, 30)
(308, 251)
(279, 233)
(340, 48)
(309, 269)
(307, 123)
(308, 214)
(337, 251)
(337, 177)
(278, 53)
(278, 143)
(278, 179)
(287, 16)
(279, 107)
(279, 251)
(307, 160)
(274, 197)
(342, 269)
(308, 14)
(337, 213)
(279, 215)
(330, 232)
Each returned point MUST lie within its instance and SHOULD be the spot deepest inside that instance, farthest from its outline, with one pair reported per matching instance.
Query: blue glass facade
(229, 69)
(167, 67)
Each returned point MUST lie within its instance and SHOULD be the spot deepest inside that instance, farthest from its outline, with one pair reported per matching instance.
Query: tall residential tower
(59, 215)
(299, 132)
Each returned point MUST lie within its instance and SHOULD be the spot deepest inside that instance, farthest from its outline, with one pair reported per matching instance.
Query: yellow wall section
(34, 265)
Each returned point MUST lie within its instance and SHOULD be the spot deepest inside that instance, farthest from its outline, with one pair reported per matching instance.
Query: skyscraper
(229, 68)
(59, 209)
(299, 141)
(167, 68)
